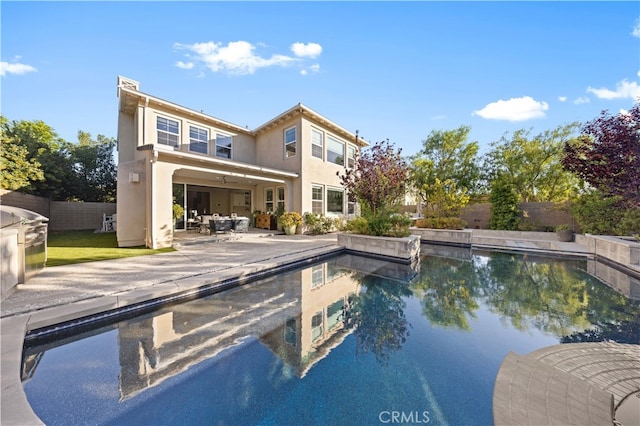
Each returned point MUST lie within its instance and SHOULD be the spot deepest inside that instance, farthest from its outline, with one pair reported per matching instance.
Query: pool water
(349, 341)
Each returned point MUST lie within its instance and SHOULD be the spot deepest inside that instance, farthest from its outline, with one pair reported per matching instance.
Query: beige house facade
(170, 154)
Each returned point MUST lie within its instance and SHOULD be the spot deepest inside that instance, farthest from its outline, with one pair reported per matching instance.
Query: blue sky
(392, 70)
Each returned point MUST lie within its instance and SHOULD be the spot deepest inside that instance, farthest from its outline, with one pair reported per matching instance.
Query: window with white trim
(280, 197)
(317, 275)
(317, 199)
(351, 156)
(317, 143)
(317, 329)
(268, 200)
(335, 151)
(334, 314)
(198, 140)
(290, 142)
(335, 201)
(168, 131)
(223, 146)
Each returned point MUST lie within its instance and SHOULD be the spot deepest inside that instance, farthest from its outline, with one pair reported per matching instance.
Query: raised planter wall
(405, 249)
(625, 252)
(445, 236)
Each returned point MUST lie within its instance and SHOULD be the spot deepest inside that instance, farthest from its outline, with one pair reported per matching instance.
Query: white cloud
(624, 89)
(15, 68)
(562, 98)
(185, 65)
(237, 57)
(310, 50)
(439, 117)
(515, 109)
(636, 29)
(623, 112)
(313, 68)
(582, 100)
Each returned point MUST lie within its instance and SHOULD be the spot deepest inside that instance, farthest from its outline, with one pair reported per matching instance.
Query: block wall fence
(66, 216)
(63, 216)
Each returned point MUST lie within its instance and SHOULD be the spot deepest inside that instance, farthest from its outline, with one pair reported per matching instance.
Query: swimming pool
(348, 341)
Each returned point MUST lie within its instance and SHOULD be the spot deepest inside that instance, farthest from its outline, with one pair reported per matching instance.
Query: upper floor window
(351, 156)
(198, 139)
(335, 151)
(290, 142)
(168, 131)
(223, 146)
(317, 143)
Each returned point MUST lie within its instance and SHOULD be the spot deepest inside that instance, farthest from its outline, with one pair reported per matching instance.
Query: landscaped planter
(405, 249)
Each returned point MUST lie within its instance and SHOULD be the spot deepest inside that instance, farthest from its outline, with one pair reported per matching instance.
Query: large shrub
(599, 214)
(505, 208)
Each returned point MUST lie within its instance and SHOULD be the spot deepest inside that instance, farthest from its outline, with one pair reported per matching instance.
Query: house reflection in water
(298, 316)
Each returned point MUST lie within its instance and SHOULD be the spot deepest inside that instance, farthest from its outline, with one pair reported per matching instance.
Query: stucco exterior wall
(132, 201)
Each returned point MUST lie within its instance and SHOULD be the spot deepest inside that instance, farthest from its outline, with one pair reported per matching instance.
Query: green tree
(505, 208)
(94, 168)
(446, 162)
(17, 171)
(533, 164)
(44, 147)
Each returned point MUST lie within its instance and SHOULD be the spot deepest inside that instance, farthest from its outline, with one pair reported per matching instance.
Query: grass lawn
(64, 248)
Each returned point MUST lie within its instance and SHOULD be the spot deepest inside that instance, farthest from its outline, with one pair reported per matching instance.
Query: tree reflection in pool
(347, 341)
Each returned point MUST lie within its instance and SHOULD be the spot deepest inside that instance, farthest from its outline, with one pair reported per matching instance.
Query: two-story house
(170, 154)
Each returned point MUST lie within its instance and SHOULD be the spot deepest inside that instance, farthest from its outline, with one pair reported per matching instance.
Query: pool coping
(16, 409)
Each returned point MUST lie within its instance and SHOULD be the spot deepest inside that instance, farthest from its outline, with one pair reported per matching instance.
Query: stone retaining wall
(405, 249)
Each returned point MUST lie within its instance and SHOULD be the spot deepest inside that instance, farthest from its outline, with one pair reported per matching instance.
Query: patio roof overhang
(215, 170)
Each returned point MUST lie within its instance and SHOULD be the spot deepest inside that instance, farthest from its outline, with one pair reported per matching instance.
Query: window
(280, 198)
(351, 204)
(334, 314)
(351, 156)
(335, 151)
(290, 332)
(317, 200)
(317, 143)
(335, 201)
(198, 139)
(268, 200)
(290, 142)
(317, 275)
(168, 131)
(316, 326)
(223, 146)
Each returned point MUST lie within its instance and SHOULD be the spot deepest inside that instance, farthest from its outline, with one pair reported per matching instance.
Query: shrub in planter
(564, 232)
(288, 219)
(317, 225)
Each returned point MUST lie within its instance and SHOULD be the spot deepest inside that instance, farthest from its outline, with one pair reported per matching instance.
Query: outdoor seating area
(214, 224)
